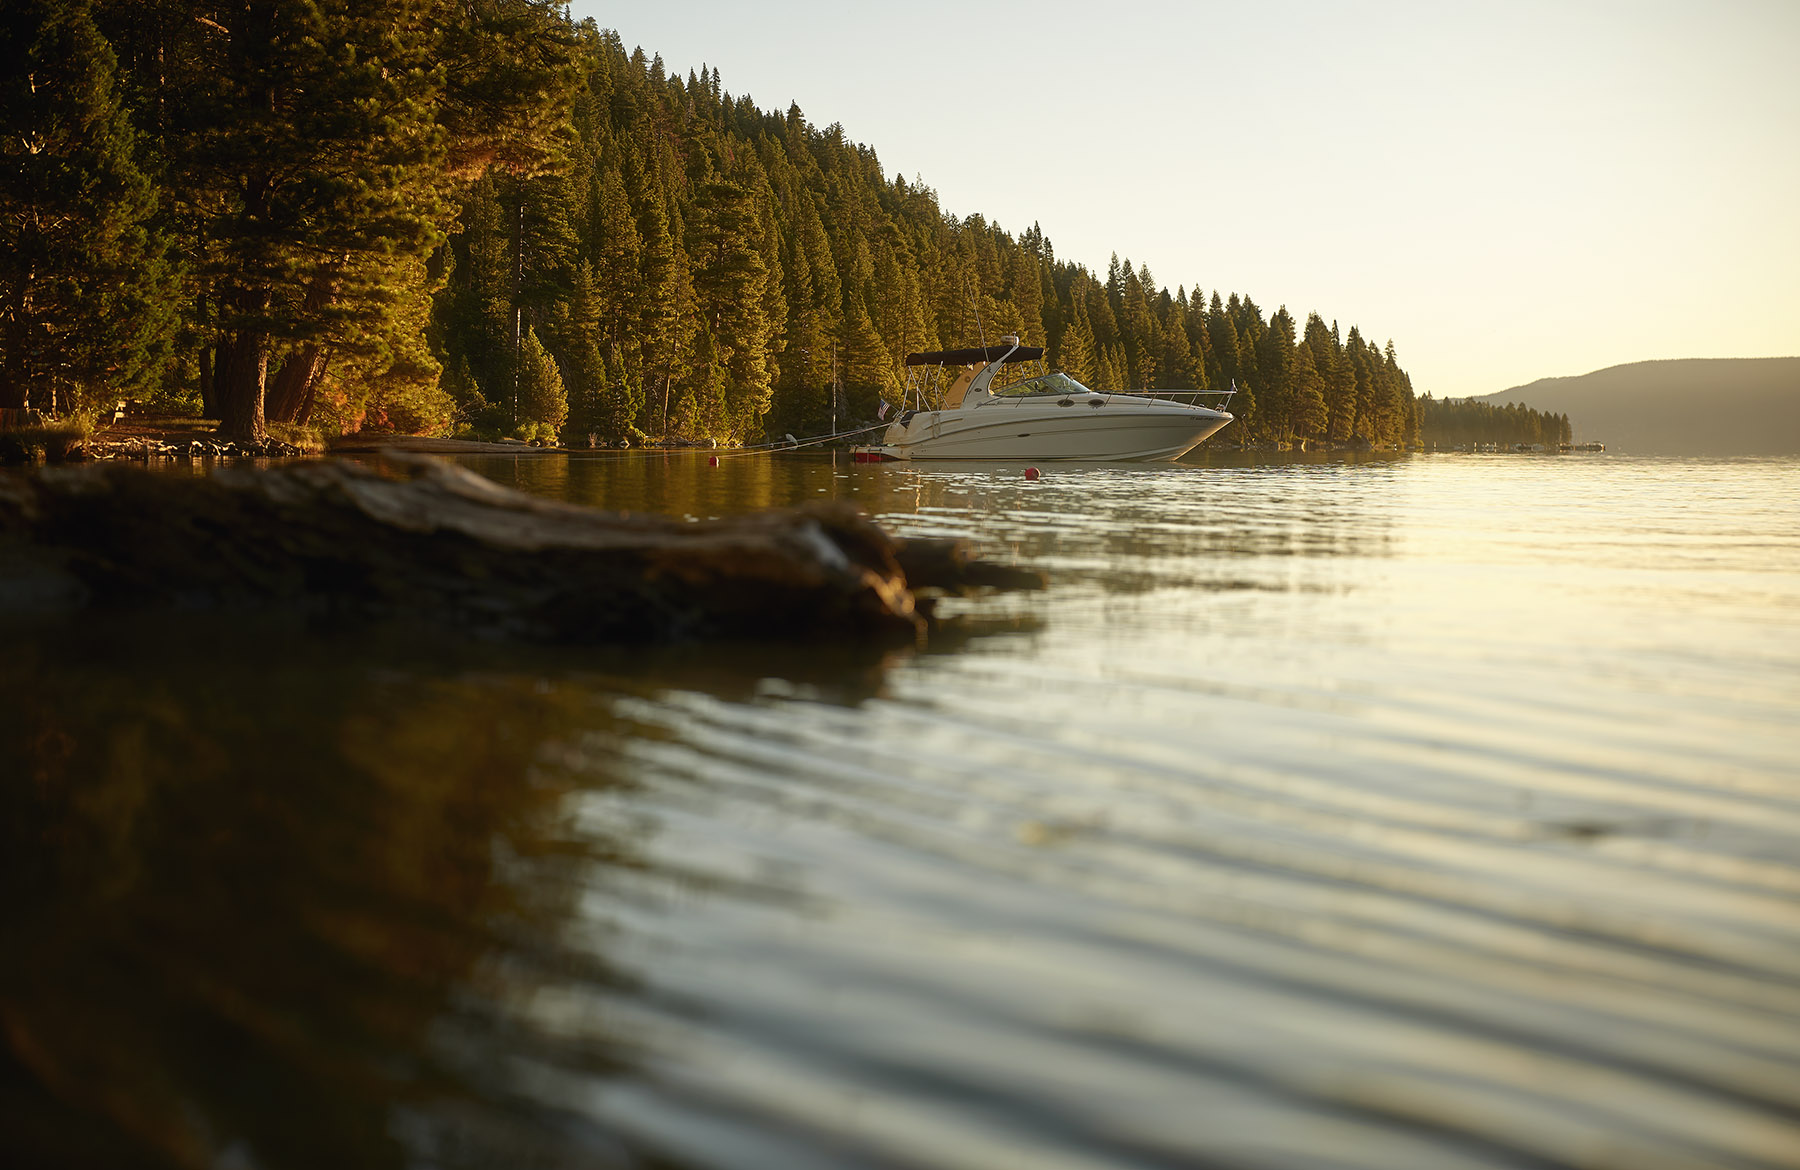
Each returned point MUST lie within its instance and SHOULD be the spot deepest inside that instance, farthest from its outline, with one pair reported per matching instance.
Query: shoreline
(370, 444)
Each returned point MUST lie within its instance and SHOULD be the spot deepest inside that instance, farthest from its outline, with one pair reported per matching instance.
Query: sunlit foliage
(376, 205)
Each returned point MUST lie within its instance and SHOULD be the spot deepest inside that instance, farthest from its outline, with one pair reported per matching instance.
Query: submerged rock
(431, 542)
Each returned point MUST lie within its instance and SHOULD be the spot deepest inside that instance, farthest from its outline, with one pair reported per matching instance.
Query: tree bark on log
(432, 543)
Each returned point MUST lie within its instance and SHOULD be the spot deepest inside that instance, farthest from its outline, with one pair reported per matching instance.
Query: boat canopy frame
(928, 389)
(1005, 354)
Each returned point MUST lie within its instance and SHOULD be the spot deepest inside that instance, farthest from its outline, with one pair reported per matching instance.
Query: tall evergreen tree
(1362, 370)
(1308, 417)
(1275, 375)
(725, 240)
(1398, 425)
(1176, 368)
(591, 405)
(1078, 356)
(87, 294)
(1025, 292)
(619, 285)
(1222, 332)
(543, 405)
(1336, 383)
(1139, 339)
(303, 139)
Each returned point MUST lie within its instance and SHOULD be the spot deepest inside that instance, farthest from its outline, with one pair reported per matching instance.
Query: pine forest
(479, 218)
(1463, 422)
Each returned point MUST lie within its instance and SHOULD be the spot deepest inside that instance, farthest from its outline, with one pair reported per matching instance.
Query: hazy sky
(1507, 190)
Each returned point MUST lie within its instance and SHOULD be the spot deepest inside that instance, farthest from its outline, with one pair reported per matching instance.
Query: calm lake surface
(1439, 811)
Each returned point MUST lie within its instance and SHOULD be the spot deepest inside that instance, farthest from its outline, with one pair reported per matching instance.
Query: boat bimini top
(1006, 353)
(972, 384)
(979, 365)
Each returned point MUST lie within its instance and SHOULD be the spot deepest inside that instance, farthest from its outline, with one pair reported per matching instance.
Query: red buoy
(713, 461)
(1031, 473)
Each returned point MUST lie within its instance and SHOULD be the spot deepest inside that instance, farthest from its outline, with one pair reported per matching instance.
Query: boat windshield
(1056, 384)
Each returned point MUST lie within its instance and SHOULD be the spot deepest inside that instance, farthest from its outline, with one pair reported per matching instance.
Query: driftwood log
(427, 541)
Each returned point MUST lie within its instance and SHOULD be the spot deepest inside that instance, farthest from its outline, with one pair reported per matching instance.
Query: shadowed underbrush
(52, 442)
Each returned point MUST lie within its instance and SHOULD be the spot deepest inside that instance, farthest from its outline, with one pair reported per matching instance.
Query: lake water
(1439, 811)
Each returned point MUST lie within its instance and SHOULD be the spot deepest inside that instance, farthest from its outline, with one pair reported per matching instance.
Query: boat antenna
(975, 303)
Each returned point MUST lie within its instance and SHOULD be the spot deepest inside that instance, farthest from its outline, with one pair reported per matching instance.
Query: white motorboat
(1044, 417)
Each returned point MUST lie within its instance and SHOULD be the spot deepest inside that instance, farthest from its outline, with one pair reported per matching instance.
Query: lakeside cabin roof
(968, 357)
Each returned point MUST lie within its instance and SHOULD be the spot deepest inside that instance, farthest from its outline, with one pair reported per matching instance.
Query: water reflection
(1131, 529)
(1339, 814)
(284, 899)
(276, 901)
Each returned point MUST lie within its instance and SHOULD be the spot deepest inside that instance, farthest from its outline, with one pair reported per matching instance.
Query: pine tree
(616, 258)
(1112, 372)
(306, 137)
(1393, 401)
(474, 316)
(899, 313)
(1308, 417)
(1200, 342)
(1176, 368)
(1077, 356)
(1138, 327)
(459, 382)
(1247, 319)
(1337, 384)
(1363, 365)
(726, 244)
(1024, 292)
(1101, 317)
(510, 72)
(1275, 375)
(391, 369)
(543, 402)
(800, 395)
(591, 406)
(87, 294)
(539, 214)
(774, 295)
(865, 362)
(1222, 332)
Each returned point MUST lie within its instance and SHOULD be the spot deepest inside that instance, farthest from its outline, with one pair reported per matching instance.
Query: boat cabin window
(1052, 384)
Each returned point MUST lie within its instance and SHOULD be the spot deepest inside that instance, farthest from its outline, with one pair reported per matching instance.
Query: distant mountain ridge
(1689, 406)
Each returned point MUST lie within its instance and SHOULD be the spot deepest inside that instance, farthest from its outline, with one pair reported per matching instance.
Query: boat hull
(1118, 431)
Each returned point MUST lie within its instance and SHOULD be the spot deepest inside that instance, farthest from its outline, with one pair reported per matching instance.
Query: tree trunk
(209, 390)
(295, 383)
(298, 378)
(15, 385)
(304, 416)
(12, 390)
(242, 381)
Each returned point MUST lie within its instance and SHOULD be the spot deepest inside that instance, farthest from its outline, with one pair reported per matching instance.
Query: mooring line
(601, 454)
